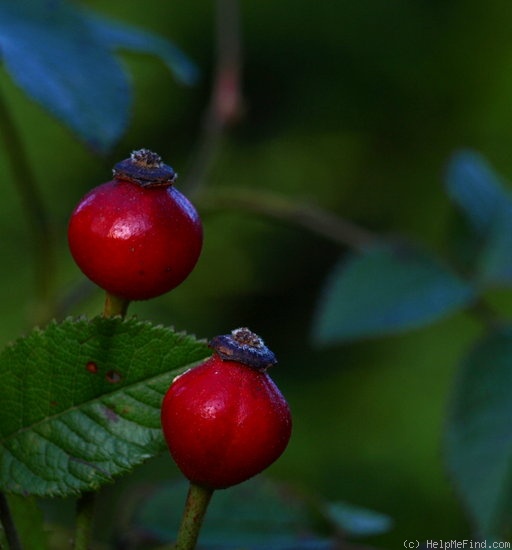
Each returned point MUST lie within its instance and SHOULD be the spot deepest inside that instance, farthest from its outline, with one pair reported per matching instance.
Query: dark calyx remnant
(244, 346)
(146, 169)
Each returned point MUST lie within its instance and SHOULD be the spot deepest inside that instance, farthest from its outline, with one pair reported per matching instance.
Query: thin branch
(33, 207)
(225, 105)
(313, 218)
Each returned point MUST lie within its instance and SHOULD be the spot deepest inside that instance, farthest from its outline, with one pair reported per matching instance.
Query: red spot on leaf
(92, 367)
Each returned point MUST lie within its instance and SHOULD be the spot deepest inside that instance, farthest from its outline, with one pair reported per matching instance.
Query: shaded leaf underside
(81, 402)
(386, 290)
(479, 438)
(63, 58)
(486, 204)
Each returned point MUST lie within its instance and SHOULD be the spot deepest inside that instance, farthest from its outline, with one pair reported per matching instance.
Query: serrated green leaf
(386, 290)
(479, 438)
(128, 37)
(81, 402)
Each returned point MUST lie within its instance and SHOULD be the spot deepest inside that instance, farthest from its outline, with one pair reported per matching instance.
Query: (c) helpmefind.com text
(452, 544)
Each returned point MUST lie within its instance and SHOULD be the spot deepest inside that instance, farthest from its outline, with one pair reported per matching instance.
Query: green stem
(11, 534)
(313, 218)
(34, 209)
(114, 306)
(196, 504)
(84, 518)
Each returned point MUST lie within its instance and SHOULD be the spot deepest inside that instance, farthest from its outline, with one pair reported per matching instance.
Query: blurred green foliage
(351, 106)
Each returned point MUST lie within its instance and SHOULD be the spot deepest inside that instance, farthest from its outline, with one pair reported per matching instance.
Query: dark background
(355, 107)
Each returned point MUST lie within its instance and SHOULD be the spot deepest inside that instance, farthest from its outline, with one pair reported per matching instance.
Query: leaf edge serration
(57, 463)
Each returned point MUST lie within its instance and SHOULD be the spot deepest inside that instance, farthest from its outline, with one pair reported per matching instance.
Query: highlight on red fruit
(226, 420)
(136, 236)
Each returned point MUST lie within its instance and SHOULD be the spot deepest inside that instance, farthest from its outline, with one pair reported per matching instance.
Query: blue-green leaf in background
(128, 37)
(356, 521)
(256, 515)
(51, 53)
(479, 434)
(486, 204)
(476, 189)
(494, 265)
(386, 290)
(62, 57)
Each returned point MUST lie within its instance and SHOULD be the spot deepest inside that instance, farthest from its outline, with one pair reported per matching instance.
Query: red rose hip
(225, 420)
(136, 236)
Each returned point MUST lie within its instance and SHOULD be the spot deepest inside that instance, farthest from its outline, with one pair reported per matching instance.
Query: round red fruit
(225, 420)
(136, 236)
